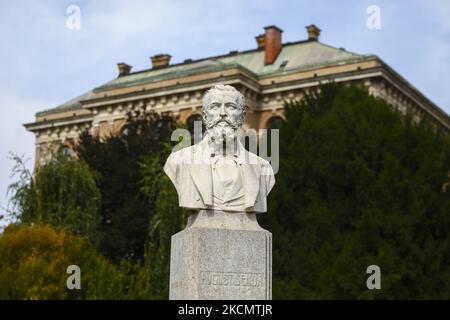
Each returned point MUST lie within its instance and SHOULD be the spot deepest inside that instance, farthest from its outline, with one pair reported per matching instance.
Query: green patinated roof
(73, 104)
(300, 55)
(166, 73)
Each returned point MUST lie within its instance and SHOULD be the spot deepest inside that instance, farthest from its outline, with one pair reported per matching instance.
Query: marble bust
(218, 173)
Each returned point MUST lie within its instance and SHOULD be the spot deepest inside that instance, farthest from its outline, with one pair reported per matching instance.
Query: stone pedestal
(222, 256)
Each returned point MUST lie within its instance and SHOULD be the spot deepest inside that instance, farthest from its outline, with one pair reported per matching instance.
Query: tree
(125, 212)
(359, 184)
(35, 261)
(62, 193)
(168, 218)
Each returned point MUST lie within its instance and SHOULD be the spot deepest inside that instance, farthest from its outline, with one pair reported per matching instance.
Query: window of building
(125, 131)
(275, 122)
(66, 151)
(193, 122)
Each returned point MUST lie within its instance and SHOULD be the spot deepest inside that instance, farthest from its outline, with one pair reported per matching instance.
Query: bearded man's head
(223, 111)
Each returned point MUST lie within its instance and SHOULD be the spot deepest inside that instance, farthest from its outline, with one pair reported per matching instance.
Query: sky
(44, 61)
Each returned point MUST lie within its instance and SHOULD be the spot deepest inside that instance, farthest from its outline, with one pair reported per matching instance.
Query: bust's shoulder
(255, 159)
(265, 167)
(185, 154)
(183, 151)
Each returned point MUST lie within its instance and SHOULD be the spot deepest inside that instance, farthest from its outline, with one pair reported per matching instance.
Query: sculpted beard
(222, 130)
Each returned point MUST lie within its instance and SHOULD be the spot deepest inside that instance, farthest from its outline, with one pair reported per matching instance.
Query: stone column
(221, 256)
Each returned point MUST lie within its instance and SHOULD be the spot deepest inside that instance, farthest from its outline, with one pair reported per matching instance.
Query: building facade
(267, 75)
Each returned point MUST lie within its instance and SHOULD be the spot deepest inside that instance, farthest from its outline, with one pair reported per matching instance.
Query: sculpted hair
(240, 100)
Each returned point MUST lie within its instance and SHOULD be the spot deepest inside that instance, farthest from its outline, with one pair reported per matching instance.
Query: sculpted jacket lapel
(200, 170)
(201, 174)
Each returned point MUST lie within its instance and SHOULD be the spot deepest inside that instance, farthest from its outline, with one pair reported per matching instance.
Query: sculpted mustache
(233, 125)
(220, 119)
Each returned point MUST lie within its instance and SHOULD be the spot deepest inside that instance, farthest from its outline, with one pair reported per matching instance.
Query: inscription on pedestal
(217, 278)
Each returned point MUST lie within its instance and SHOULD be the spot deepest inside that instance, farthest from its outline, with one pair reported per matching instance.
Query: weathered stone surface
(221, 255)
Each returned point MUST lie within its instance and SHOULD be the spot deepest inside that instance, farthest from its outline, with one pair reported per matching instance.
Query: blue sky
(43, 63)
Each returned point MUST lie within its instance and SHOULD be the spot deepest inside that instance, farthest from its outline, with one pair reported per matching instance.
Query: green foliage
(168, 219)
(125, 211)
(359, 184)
(139, 209)
(35, 260)
(62, 193)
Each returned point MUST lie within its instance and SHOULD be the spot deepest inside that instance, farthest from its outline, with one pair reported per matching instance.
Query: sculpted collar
(213, 150)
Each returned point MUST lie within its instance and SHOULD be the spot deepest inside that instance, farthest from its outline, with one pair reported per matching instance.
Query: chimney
(272, 43)
(124, 69)
(260, 41)
(313, 32)
(160, 60)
